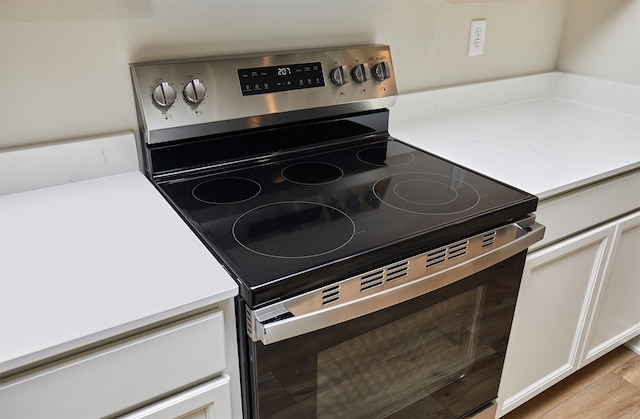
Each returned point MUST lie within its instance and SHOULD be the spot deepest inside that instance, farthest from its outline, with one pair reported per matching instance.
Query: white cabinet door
(211, 400)
(553, 305)
(617, 314)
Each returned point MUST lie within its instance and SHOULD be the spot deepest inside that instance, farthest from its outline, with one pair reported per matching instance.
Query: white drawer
(569, 214)
(121, 375)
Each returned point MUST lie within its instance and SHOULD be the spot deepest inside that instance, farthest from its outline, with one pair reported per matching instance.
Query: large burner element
(293, 229)
(227, 190)
(426, 193)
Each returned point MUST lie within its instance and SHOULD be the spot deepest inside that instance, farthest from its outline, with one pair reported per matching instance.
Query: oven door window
(437, 355)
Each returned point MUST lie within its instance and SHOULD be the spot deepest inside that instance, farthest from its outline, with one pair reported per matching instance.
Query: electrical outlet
(476, 37)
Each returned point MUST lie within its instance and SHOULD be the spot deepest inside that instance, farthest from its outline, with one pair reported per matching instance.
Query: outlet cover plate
(477, 33)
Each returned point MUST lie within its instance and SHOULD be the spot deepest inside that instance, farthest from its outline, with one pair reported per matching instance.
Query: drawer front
(120, 375)
(569, 214)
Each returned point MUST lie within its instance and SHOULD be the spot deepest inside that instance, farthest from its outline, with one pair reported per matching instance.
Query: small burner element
(227, 190)
(312, 173)
(385, 155)
(293, 229)
(426, 193)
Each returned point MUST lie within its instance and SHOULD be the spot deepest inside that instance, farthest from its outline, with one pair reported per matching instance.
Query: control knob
(164, 95)
(382, 71)
(194, 92)
(339, 75)
(360, 73)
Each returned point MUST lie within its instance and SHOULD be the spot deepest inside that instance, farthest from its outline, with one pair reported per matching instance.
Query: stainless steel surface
(392, 284)
(225, 108)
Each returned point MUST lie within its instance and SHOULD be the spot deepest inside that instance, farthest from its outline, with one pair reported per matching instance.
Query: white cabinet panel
(120, 375)
(555, 295)
(617, 314)
(579, 299)
(207, 401)
(567, 214)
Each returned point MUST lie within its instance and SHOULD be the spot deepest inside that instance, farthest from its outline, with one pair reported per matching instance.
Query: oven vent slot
(445, 254)
(458, 249)
(248, 321)
(436, 257)
(331, 294)
(489, 239)
(371, 280)
(397, 271)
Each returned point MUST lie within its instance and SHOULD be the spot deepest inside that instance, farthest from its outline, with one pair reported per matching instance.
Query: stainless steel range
(376, 279)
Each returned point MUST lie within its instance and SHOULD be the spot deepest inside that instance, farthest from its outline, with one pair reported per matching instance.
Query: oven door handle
(280, 321)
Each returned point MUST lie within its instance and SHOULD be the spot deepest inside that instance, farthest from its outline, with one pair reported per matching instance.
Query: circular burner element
(385, 155)
(312, 173)
(293, 229)
(412, 191)
(226, 190)
(426, 193)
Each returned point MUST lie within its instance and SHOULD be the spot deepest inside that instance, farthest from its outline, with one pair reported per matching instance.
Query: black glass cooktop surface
(287, 226)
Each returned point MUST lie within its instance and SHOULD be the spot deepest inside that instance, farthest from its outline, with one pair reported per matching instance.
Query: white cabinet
(616, 317)
(557, 285)
(578, 300)
(211, 400)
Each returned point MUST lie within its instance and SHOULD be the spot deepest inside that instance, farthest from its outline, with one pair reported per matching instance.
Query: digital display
(280, 78)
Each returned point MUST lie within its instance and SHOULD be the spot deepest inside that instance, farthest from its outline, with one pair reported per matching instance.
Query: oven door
(439, 354)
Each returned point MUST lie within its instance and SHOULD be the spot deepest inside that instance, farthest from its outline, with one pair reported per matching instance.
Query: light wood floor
(607, 388)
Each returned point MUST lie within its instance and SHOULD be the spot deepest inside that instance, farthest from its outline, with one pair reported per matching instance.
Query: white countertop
(544, 144)
(86, 261)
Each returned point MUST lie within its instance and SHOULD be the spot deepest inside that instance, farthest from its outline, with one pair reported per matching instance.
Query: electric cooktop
(298, 222)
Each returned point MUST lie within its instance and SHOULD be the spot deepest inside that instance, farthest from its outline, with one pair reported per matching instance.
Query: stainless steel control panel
(184, 99)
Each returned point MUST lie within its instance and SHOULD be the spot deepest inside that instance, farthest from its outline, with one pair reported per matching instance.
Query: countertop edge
(571, 187)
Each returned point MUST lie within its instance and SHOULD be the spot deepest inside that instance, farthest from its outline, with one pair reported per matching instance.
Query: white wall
(602, 39)
(64, 63)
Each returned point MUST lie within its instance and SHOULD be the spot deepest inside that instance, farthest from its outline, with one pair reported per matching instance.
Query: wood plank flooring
(607, 388)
